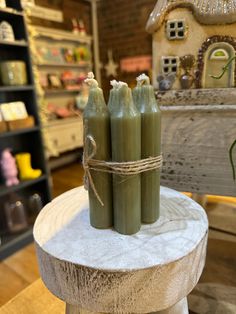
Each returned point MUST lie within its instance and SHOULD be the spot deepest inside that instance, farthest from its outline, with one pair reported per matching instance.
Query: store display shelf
(18, 43)
(61, 35)
(16, 88)
(11, 243)
(19, 132)
(65, 65)
(10, 11)
(60, 91)
(22, 185)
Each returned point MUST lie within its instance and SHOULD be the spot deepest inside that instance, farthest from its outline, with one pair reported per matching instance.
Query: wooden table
(103, 271)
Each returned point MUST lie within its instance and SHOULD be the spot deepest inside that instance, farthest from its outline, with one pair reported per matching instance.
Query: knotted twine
(128, 168)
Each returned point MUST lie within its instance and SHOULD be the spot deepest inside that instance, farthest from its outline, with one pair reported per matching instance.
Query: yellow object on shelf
(26, 171)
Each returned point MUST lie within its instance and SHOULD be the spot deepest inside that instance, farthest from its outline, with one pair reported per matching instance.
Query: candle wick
(91, 81)
(143, 79)
(121, 84)
(114, 84)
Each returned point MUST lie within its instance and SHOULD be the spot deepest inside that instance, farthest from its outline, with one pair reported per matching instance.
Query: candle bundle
(122, 155)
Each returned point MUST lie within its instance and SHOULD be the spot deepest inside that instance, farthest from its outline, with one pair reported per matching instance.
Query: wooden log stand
(102, 271)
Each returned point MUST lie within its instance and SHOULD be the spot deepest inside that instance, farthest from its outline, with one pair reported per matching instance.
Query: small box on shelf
(3, 126)
(27, 122)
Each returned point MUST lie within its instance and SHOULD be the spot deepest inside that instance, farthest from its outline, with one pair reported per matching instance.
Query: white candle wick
(120, 84)
(143, 79)
(90, 80)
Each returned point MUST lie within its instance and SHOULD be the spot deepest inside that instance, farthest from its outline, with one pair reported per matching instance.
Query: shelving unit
(12, 243)
(63, 135)
(20, 43)
(23, 140)
(18, 132)
(16, 88)
(65, 65)
(4, 190)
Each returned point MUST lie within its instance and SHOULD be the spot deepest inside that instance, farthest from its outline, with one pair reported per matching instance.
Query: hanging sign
(136, 64)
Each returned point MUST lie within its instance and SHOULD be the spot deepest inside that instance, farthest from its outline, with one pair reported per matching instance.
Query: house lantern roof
(205, 11)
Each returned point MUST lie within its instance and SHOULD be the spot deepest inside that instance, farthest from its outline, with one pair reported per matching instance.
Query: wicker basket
(3, 126)
(21, 123)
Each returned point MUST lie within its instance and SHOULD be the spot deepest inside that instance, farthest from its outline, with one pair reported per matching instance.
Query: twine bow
(119, 168)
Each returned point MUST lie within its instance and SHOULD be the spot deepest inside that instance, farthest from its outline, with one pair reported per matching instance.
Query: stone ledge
(198, 97)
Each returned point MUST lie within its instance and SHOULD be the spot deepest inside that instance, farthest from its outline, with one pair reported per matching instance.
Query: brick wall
(122, 28)
(71, 8)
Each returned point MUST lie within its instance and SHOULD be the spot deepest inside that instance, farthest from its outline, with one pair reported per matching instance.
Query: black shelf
(23, 140)
(22, 185)
(12, 243)
(20, 88)
(10, 12)
(64, 65)
(17, 43)
(19, 132)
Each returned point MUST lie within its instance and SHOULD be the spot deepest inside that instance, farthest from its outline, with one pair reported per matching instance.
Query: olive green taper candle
(113, 97)
(126, 146)
(144, 99)
(96, 120)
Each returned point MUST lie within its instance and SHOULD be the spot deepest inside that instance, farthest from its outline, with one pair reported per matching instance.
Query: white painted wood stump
(102, 271)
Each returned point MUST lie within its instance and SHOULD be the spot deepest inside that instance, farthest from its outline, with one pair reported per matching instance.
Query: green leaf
(231, 159)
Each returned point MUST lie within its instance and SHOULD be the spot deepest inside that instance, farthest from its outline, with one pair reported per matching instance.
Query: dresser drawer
(66, 137)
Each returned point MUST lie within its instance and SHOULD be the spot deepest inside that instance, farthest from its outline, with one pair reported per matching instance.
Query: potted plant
(186, 63)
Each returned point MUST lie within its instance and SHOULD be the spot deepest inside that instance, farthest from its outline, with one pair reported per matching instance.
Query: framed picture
(54, 80)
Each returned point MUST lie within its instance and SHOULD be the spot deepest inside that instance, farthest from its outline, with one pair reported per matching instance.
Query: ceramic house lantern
(204, 31)
(193, 40)
(6, 32)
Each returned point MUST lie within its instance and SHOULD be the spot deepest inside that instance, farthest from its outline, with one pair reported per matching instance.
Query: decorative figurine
(9, 169)
(6, 31)
(75, 26)
(25, 169)
(81, 26)
(206, 29)
(166, 81)
(199, 120)
(187, 63)
(15, 214)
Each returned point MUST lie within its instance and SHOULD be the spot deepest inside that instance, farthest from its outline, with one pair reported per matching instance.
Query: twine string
(120, 168)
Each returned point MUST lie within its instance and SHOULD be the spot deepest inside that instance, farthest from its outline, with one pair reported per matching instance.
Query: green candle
(126, 146)
(97, 124)
(144, 99)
